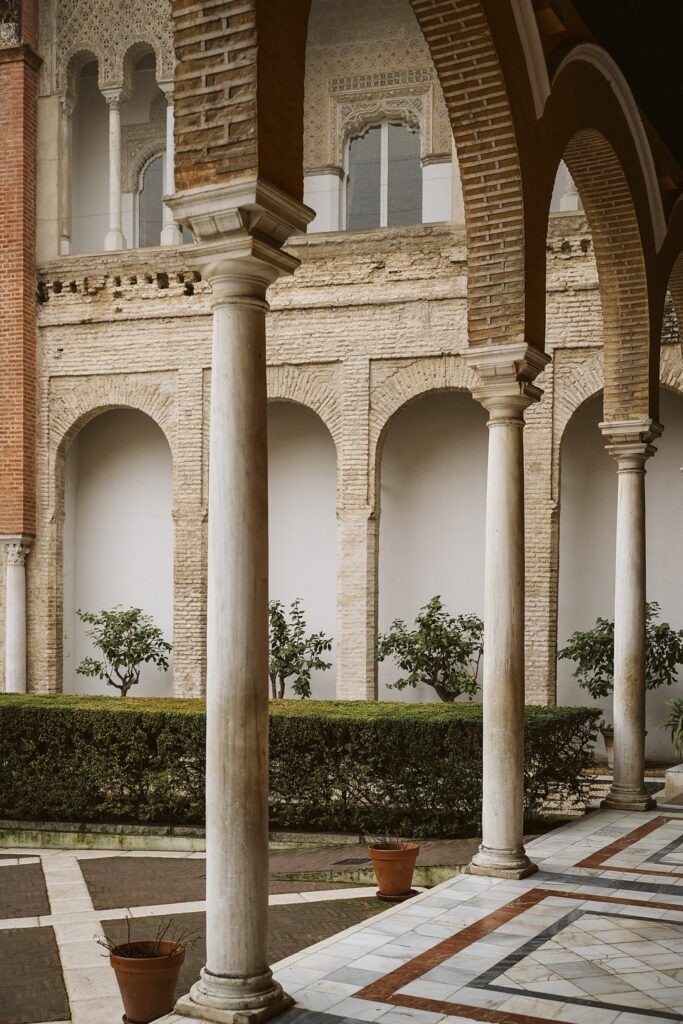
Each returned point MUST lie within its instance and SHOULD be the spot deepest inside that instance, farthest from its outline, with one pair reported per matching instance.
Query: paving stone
(23, 892)
(31, 984)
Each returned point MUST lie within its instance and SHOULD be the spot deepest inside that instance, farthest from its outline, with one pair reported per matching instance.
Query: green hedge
(334, 765)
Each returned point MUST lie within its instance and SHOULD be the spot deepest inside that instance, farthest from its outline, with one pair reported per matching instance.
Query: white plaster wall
(302, 522)
(433, 499)
(587, 523)
(118, 536)
(89, 168)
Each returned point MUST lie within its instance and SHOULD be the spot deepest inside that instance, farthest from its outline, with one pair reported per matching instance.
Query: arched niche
(302, 483)
(432, 500)
(588, 493)
(118, 536)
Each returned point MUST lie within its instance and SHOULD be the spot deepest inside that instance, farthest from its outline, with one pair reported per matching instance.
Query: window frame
(383, 124)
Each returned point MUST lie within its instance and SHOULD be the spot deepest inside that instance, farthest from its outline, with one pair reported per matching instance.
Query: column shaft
(631, 448)
(501, 852)
(236, 978)
(170, 232)
(66, 109)
(114, 238)
(15, 616)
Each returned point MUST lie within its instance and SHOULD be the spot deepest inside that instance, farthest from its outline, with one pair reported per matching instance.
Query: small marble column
(630, 446)
(170, 232)
(114, 238)
(236, 984)
(506, 391)
(15, 614)
(66, 112)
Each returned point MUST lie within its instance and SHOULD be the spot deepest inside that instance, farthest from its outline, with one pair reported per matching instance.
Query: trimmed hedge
(410, 769)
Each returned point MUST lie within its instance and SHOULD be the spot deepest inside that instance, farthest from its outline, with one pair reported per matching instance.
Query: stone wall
(369, 322)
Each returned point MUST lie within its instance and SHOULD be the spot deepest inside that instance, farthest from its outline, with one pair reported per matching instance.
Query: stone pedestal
(15, 614)
(630, 446)
(241, 228)
(507, 373)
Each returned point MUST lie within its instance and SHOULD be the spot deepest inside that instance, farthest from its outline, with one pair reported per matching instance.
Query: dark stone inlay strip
(659, 857)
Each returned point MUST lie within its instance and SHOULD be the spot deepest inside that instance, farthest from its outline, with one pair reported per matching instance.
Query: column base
(113, 241)
(619, 799)
(501, 863)
(234, 1000)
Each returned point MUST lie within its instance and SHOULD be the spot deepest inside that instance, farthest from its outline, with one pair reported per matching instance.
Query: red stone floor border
(598, 859)
(386, 989)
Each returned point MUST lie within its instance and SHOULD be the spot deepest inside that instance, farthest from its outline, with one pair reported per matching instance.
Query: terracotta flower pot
(394, 870)
(147, 984)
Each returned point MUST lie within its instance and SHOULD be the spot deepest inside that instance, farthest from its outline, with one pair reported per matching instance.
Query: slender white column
(506, 393)
(114, 238)
(236, 984)
(15, 614)
(631, 448)
(66, 111)
(170, 232)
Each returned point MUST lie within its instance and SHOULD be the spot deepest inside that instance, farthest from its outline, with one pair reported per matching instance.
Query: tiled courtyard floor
(596, 937)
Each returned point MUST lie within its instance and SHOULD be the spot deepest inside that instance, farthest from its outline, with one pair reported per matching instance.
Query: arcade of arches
(432, 234)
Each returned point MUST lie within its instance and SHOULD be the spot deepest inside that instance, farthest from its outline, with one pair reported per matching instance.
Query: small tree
(292, 653)
(442, 651)
(593, 652)
(127, 639)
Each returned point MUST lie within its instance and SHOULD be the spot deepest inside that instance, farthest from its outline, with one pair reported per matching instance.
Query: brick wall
(18, 88)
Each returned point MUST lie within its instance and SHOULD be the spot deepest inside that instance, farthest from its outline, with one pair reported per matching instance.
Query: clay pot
(394, 870)
(147, 984)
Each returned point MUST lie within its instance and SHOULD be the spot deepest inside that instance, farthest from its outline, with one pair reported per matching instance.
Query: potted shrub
(592, 651)
(442, 651)
(674, 723)
(147, 971)
(127, 638)
(393, 861)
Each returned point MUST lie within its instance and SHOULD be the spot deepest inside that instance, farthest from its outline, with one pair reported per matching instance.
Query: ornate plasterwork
(114, 34)
(10, 22)
(343, 84)
(139, 144)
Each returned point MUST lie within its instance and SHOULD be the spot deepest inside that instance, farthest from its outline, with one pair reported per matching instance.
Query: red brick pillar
(18, 89)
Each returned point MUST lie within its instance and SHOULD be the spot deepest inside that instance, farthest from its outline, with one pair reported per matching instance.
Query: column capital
(244, 223)
(167, 87)
(113, 96)
(507, 373)
(629, 441)
(18, 548)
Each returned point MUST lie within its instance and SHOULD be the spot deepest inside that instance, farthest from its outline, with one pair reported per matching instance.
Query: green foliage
(443, 651)
(128, 639)
(674, 723)
(292, 653)
(670, 329)
(392, 768)
(593, 652)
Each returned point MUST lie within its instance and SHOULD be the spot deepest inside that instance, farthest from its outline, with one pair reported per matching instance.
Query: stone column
(357, 549)
(630, 445)
(170, 232)
(114, 237)
(15, 614)
(66, 112)
(506, 391)
(236, 983)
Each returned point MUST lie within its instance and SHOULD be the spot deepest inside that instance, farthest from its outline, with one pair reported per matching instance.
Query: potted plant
(674, 723)
(127, 639)
(442, 651)
(147, 971)
(393, 861)
(592, 651)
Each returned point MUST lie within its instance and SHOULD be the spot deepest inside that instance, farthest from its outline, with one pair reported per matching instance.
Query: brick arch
(460, 39)
(584, 380)
(82, 401)
(315, 388)
(408, 383)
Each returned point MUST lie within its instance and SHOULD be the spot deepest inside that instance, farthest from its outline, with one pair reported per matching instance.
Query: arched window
(384, 177)
(150, 202)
